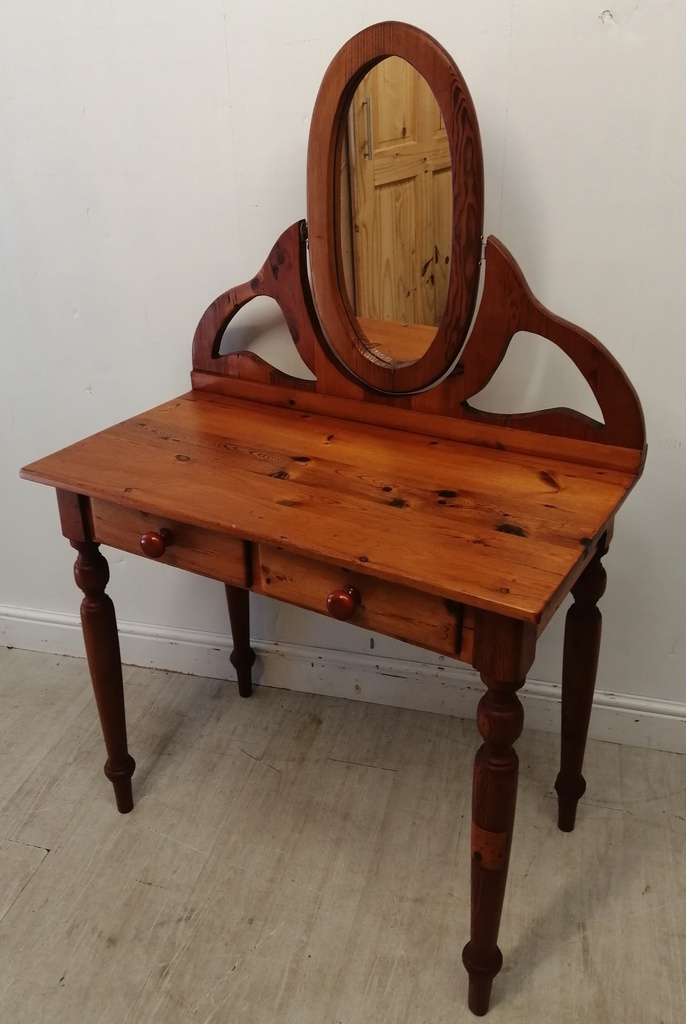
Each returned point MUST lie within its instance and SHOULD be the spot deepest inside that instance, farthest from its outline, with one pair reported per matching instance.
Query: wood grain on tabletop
(408, 413)
(498, 530)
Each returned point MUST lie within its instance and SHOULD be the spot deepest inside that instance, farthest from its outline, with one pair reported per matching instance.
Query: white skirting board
(449, 688)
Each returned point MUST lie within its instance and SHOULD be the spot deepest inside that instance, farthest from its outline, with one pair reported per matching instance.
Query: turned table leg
(504, 652)
(580, 662)
(242, 656)
(101, 639)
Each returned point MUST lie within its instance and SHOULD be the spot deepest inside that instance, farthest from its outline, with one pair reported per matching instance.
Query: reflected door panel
(399, 205)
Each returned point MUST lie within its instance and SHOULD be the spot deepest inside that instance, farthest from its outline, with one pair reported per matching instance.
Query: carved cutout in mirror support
(327, 139)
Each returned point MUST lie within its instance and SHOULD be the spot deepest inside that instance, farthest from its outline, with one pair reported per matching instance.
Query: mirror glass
(395, 211)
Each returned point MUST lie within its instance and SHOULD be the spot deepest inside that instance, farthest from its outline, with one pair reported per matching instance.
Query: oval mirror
(395, 208)
(395, 211)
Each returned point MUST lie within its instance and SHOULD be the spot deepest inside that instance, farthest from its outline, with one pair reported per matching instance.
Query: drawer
(207, 552)
(389, 608)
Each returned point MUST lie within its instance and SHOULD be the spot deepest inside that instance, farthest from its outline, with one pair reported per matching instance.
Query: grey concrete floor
(304, 860)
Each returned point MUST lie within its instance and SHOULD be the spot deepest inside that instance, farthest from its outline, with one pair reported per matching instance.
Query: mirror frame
(338, 320)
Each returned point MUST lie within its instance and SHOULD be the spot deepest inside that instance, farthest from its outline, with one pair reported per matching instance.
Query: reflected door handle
(368, 105)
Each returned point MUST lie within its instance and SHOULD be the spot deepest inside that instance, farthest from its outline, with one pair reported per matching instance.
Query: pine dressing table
(375, 493)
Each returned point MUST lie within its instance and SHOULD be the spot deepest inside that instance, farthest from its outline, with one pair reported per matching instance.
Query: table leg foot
(121, 782)
(101, 640)
(242, 656)
(480, 981)
(580, 662)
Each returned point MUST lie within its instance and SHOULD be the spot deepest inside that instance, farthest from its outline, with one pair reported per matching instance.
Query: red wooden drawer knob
(155, 543)
(343, 604)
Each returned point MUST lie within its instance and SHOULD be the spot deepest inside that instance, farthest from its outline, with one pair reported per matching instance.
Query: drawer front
(389, 608)
(218, 555)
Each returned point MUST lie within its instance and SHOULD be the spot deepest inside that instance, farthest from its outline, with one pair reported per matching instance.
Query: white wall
(151, 153)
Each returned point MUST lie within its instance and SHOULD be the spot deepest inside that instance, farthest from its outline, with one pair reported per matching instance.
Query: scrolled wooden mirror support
(375, 492)
(331, 338)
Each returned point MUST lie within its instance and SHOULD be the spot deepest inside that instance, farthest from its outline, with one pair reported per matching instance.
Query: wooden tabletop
(495, 529)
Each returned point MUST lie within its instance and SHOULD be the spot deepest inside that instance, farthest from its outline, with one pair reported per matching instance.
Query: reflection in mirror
(536, 375)
(260, 327)
(395, 211)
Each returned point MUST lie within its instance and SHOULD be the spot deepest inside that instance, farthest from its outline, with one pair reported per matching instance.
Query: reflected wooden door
(401, 197)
